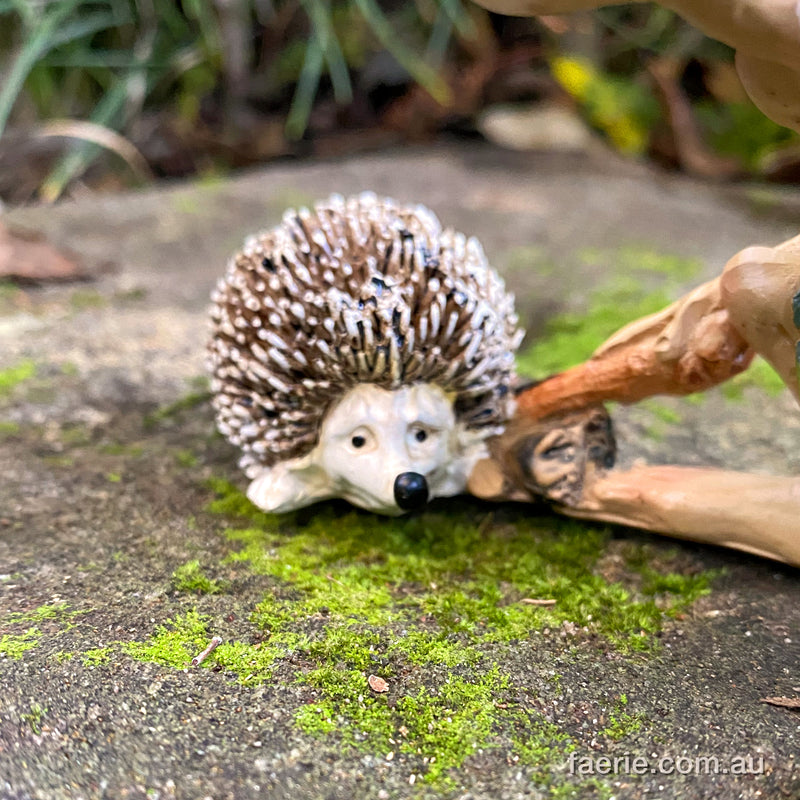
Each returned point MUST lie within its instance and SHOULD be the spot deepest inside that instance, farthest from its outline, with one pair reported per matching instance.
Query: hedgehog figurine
(361, 351)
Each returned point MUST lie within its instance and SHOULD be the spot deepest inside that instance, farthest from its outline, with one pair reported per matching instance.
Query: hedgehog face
(385, 451)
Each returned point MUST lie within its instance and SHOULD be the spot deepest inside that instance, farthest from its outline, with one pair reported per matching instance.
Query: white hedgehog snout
(387, 451)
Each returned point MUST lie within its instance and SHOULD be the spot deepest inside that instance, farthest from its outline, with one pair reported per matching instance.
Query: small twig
(199, 659)
(537, 601)
(486, 523)
(782, 702)
(333, 580)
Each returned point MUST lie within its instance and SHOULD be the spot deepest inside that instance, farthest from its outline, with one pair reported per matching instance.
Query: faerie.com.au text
(628, 764)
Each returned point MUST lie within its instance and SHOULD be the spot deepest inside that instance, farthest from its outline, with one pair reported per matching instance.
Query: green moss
(14, 646)
(437, 727)
(12, 377)
(639, 281)
(572, 337)
(48, 611)
(83, 299)
(120, 449)
(682, 589)
(12, 298)
(760, 375)
(34, 718)
(289, 197)
(57, 616)
(113, 477)
(199, 383)
(425, 648)
(417, 601)
(655, 431)
(463, 575)
(97, 656)
(186, 458)
(8, 429)
(452, 721)
(134, 295)
(64, 656)
(175, 643)
(188, 401)
(424, 598)
(64, 462)
(638, 258)
(664, 413)
(318, 719)
(621, 722)
(179, 640)
(538, 743)
(189, 577)
(349, 706)
(588, 789)
(230, 501)
(187, 203)
(251, 663)
(75, 435)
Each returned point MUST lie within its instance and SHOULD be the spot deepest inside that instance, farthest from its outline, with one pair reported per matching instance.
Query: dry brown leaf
(27, 257)
(782, 702)
(377, 684)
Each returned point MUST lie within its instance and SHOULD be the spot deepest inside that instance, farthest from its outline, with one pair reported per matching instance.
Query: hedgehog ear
(290, 485)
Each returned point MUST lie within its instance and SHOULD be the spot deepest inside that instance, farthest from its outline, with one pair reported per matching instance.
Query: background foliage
(176, 88)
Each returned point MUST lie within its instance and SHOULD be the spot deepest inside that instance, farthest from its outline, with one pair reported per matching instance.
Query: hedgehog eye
(361, 438)
(420, 434)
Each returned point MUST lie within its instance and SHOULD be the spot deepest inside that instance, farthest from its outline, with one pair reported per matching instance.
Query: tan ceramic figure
(559, 446)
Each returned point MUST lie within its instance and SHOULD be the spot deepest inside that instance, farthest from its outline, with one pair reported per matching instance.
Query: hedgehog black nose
(410, 491)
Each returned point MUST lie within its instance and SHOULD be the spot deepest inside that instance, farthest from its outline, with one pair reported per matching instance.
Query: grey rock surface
(100, 502)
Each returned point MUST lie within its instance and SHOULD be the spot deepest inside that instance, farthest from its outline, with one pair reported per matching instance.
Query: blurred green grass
(105, 61)
(109, 63)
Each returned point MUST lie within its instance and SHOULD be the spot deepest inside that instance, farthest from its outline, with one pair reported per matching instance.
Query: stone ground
(106, 452)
